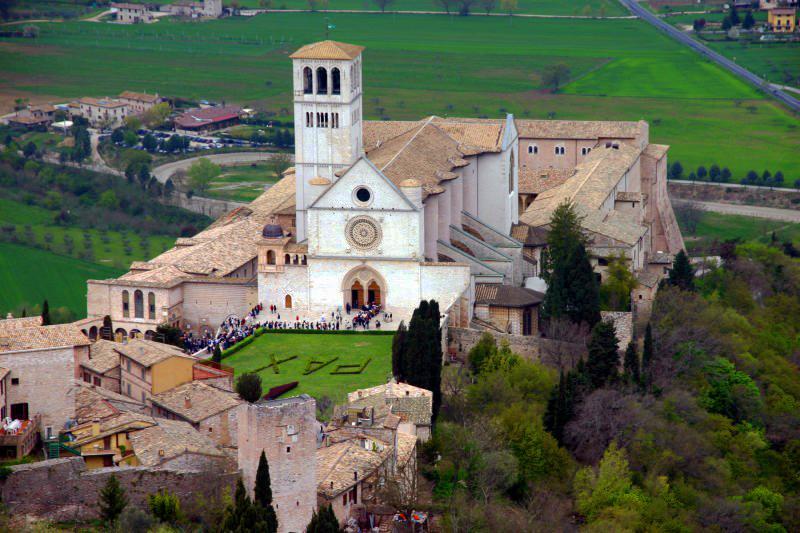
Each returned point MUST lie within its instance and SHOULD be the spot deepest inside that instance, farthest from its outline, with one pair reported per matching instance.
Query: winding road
(790, 101)
(163, 172)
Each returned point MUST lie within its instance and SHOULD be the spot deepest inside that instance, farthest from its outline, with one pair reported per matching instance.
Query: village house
(43, 362)
(38, 116)
(782, 19)
(102, 112)
(96, 403)
(413, 405)
(127, 13)
(106, 442)
(210, 410)
(138, 103)
(508, 309)
(102, 367)
(149, 368)
(188, 8)
(173, 443)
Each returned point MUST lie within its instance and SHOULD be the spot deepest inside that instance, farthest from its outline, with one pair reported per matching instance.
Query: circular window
(363, 233)
(363, 195)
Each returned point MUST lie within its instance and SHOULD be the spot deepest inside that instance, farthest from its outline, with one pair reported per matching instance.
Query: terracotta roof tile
(342, 465)
(18, 334)
(578, 129)
(102, 356)
(170, 439)
(500, 295)
(148, 353)
(537, 180)
(328, 50)
(203, 401)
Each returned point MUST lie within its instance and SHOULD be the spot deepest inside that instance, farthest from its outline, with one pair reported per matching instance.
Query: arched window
(126, 304)
(138, 304)
(296, 260)
(560, 150)
(308, 81)
(287, 303)
(270, 257)
(287, 259)
(336, 81)
(533, 149)
(151, 305)
(322, 81)
(304, 261)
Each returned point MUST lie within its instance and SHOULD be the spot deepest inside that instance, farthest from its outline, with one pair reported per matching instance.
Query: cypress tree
(647, 356)
(603, 360)
(554, 414)
(681, 274)
(583, 294)
(323, 522)
(112, 500)
(434, 362)
(398, 352)
(631, 363)
(217, 355)
(263, 494)
(46, 314)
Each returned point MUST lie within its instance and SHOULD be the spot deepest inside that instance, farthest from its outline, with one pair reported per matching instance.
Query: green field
(420, 65)
(350, 349)
(28, 276)
(720, 227)
(539, 7)
(241, 183)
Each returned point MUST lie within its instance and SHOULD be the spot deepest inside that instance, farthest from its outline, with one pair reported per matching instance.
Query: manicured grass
(249, 182)
(776, 62)
(721, 227)
(28, 276)
(350, 350)
(111, 248)
(420, 65)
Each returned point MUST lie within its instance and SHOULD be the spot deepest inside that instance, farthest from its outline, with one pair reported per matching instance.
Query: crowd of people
(234, 329)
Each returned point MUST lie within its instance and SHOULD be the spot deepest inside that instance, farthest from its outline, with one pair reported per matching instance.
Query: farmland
(349, 349)
(420, 65)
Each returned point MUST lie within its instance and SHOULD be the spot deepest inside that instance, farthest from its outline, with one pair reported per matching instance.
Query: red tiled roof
(195, 118)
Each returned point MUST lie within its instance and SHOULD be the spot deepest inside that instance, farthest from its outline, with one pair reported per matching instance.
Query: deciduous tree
(554, 76)
(201, 173)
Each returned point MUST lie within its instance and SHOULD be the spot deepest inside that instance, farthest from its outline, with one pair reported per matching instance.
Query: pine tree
(631, 363)
(263, 494)
(603, 360)
(112, 500)
(647, 356)
(46, 314)
(681, 274)
(398, 352)
(323, 522)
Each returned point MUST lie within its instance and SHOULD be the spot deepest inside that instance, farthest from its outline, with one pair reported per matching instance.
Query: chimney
(355, 476)
(187, 402)
(96, 426)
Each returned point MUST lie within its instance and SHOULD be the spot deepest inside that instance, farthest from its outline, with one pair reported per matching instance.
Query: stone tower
(327, 117)
(286, 430)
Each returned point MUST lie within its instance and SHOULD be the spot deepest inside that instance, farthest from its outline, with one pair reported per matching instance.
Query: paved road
(476, 13)
(790, 101)
(787, 215)
(729, 185)
(163, 172)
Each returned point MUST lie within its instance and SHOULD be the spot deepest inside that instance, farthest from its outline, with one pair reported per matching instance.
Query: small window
(15, 381)
(288, 449)
(97, 381)
(533, 149)
(363, 195)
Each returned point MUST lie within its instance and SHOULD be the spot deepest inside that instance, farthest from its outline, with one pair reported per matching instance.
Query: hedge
(343, 369)
(273, 364)
(319, 365)
(275, 392)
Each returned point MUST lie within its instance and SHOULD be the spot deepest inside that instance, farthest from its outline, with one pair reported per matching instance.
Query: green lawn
(721, 227)
(420, 65)
(28, 276)
(350, 349)
(247, 181)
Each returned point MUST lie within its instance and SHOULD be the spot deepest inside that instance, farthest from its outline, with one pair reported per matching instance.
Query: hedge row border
(322, 364)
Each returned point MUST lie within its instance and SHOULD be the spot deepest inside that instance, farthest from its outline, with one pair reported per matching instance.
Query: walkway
(634, 7)
(163, 172)
(773, 213)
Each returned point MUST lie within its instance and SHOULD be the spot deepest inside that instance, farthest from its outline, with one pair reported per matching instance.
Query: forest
(695, 428)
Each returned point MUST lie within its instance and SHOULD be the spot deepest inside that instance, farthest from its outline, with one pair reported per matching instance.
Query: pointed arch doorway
(363, 285)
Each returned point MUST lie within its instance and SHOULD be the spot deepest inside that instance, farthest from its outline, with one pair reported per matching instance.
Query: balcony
(16, 444)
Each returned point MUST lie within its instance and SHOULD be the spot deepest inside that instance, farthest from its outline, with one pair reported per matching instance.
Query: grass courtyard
(352, 349)
(242, 183)
(416, 65)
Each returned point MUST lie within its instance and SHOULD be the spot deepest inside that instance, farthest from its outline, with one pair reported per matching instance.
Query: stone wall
(63, 489)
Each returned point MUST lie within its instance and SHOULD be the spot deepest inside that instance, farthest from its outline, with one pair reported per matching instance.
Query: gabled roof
(148, 353)
(102, 356)
(328, 50)
(125, 421)
(342, 465)
(21, 334)
(195, 401)
(500, 295)
(169, 439)
(578, 129)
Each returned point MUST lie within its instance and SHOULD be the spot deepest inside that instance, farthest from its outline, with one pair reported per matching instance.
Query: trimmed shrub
(351, 369)
(315, 365)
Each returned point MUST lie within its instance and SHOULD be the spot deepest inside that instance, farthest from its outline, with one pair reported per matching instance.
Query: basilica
(393, 212)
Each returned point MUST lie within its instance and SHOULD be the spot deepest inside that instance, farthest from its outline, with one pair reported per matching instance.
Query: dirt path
(772, 213)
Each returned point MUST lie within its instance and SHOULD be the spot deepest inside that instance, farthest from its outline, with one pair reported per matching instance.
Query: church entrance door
(356, 295)
(374, 293)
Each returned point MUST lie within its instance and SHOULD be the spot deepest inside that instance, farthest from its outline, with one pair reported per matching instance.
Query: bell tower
(327, 118)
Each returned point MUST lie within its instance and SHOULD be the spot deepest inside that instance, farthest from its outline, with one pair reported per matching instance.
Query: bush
(134, 519)
(248, 386)
(165, 507)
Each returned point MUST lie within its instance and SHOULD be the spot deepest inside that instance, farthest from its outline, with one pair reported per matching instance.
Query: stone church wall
(208, 304)
(63, 489)
(274, 287)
